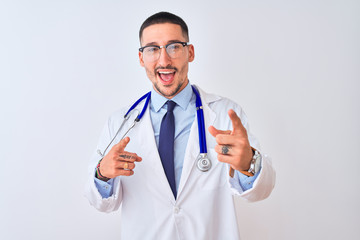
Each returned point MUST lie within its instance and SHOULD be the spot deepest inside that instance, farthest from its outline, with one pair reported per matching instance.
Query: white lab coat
(204, 207)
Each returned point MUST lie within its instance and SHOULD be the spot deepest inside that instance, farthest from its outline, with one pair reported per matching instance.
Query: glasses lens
(151, 53)
(175, 50)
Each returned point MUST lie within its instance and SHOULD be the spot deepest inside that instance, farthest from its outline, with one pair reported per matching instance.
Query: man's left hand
(233, 146)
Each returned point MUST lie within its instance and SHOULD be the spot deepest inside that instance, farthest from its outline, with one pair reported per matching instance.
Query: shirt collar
(182, 98)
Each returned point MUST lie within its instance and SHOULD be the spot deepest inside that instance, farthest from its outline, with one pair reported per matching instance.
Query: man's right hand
(118, 162)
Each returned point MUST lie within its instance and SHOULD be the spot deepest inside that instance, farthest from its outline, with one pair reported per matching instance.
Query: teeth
(166, 72)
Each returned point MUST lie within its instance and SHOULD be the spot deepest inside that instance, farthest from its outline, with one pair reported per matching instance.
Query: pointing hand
(118, 161)
(233, 145)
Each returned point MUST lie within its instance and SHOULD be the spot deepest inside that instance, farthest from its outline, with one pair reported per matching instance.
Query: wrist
(98, 174)
(254, 164)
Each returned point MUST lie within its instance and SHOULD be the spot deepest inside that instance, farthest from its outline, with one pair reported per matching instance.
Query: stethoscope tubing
(147, 96)
(126, 117)
(200, 120)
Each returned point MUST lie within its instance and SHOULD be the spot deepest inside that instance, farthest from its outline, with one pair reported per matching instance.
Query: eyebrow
(156, 44)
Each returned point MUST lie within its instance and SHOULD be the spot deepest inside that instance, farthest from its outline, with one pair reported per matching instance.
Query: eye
(174, 46)
(151, 49)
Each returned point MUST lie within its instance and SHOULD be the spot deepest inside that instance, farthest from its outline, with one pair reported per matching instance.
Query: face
(168, 75)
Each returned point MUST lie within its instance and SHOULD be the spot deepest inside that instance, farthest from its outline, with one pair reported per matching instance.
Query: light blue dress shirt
(184, 113)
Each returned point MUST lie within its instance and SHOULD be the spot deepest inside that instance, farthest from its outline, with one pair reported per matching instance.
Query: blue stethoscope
(203, 162)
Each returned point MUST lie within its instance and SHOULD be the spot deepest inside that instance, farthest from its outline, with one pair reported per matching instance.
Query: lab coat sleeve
(100, 201)
(264, 181)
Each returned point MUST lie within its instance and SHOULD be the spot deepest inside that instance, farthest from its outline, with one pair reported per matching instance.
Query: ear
(191, 53)
(141, 59)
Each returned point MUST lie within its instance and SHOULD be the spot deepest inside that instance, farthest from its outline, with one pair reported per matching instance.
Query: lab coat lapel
(149, 152)
(193, 149)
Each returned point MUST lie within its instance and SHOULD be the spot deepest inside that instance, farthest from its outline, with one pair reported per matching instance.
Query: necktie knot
(170, 106)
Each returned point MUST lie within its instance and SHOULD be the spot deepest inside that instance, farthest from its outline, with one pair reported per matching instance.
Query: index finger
(236, 122)
(120, 146)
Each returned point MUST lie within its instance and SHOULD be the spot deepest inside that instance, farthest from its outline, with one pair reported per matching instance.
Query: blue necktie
(166, 145)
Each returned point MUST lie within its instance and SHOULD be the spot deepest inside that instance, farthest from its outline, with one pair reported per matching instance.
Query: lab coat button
(176, 210)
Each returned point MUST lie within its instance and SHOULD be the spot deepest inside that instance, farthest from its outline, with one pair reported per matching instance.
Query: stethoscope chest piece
(203, 162)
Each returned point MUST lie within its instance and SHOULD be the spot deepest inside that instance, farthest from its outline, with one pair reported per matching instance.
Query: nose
(164, 59)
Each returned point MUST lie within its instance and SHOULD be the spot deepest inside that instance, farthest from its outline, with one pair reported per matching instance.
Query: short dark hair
(165, 17)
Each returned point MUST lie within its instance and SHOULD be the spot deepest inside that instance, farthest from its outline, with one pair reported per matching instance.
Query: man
(167, 196)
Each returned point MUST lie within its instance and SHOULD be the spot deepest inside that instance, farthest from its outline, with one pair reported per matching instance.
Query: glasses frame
(184, 44)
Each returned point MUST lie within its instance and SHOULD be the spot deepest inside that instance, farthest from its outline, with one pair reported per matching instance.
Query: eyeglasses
(152, 53)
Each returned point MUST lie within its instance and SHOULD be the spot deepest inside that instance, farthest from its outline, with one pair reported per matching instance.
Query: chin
(167, 91)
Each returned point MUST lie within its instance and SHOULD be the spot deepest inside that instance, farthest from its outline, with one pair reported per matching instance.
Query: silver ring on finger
(225, 149)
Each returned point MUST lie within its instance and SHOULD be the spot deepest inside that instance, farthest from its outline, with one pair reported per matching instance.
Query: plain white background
(293, 66)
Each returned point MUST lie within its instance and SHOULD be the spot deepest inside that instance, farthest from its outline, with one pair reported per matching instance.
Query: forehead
(162, 33)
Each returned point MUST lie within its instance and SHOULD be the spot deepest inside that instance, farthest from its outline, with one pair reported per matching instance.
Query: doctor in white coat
(131, 174)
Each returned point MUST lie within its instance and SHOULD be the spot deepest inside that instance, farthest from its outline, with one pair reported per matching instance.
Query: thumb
(214, 131)
(122, 144)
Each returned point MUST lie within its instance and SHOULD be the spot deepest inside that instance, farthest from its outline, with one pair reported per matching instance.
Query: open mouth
(166, 75)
